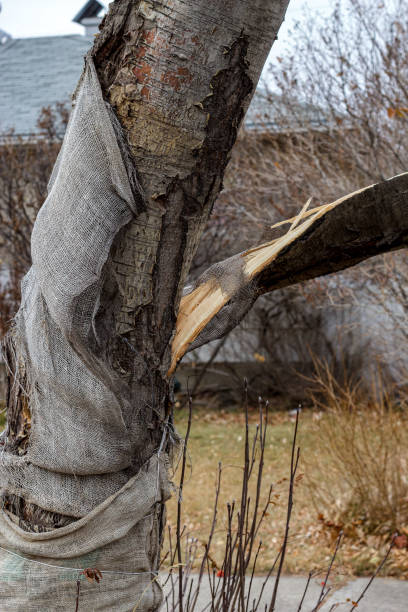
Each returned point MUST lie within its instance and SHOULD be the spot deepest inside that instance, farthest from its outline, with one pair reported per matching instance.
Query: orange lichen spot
(149, 35)
(140, 52)
(177, 78)
(142, 72)
(145, 92)
(195, 40)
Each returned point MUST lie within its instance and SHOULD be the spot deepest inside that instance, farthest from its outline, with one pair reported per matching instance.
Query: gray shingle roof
(269, 111)
(37, 72)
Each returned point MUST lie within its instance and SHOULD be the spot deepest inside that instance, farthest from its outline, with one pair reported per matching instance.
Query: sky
(25, 18)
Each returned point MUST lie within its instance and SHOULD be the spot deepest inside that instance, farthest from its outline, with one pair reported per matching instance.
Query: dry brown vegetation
(363, 440)
(346, 467)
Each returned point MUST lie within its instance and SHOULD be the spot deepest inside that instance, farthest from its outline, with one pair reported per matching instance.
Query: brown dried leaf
(92, 574)
(401, 541)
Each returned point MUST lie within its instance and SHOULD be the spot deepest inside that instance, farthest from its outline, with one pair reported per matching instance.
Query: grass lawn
(218, 436)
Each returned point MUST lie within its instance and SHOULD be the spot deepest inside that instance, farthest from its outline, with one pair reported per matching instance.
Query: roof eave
(91, 9)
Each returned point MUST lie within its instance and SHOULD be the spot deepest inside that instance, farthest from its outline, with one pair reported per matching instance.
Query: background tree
(333, 120)
(25, 168)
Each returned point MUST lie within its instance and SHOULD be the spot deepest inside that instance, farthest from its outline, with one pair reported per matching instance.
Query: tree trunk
(178, 78)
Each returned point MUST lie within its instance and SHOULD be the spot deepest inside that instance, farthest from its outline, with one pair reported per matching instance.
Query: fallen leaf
(401, 541)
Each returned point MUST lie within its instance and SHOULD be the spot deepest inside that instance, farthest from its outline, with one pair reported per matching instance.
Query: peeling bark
(18, 409)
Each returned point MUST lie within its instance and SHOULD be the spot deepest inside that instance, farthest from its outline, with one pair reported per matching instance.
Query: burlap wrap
(119, 535)
(82, 443)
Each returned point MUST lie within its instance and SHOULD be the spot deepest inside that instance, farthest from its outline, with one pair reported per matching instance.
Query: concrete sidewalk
(384, 595)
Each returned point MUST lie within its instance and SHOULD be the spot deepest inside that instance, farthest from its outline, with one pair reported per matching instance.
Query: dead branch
(334, 237)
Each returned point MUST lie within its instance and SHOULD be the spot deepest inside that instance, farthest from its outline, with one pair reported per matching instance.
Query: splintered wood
(198, 307)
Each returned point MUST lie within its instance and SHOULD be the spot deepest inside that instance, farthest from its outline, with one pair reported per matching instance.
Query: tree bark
(179, 77)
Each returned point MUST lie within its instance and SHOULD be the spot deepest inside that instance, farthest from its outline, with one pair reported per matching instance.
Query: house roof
(37, 72)
(267, 111)
(91, 9)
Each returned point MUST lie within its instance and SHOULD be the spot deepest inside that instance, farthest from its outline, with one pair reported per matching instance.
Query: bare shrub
(231, 581)
(25, 168)
(364, 440)
(190, 564)
(353, 68)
